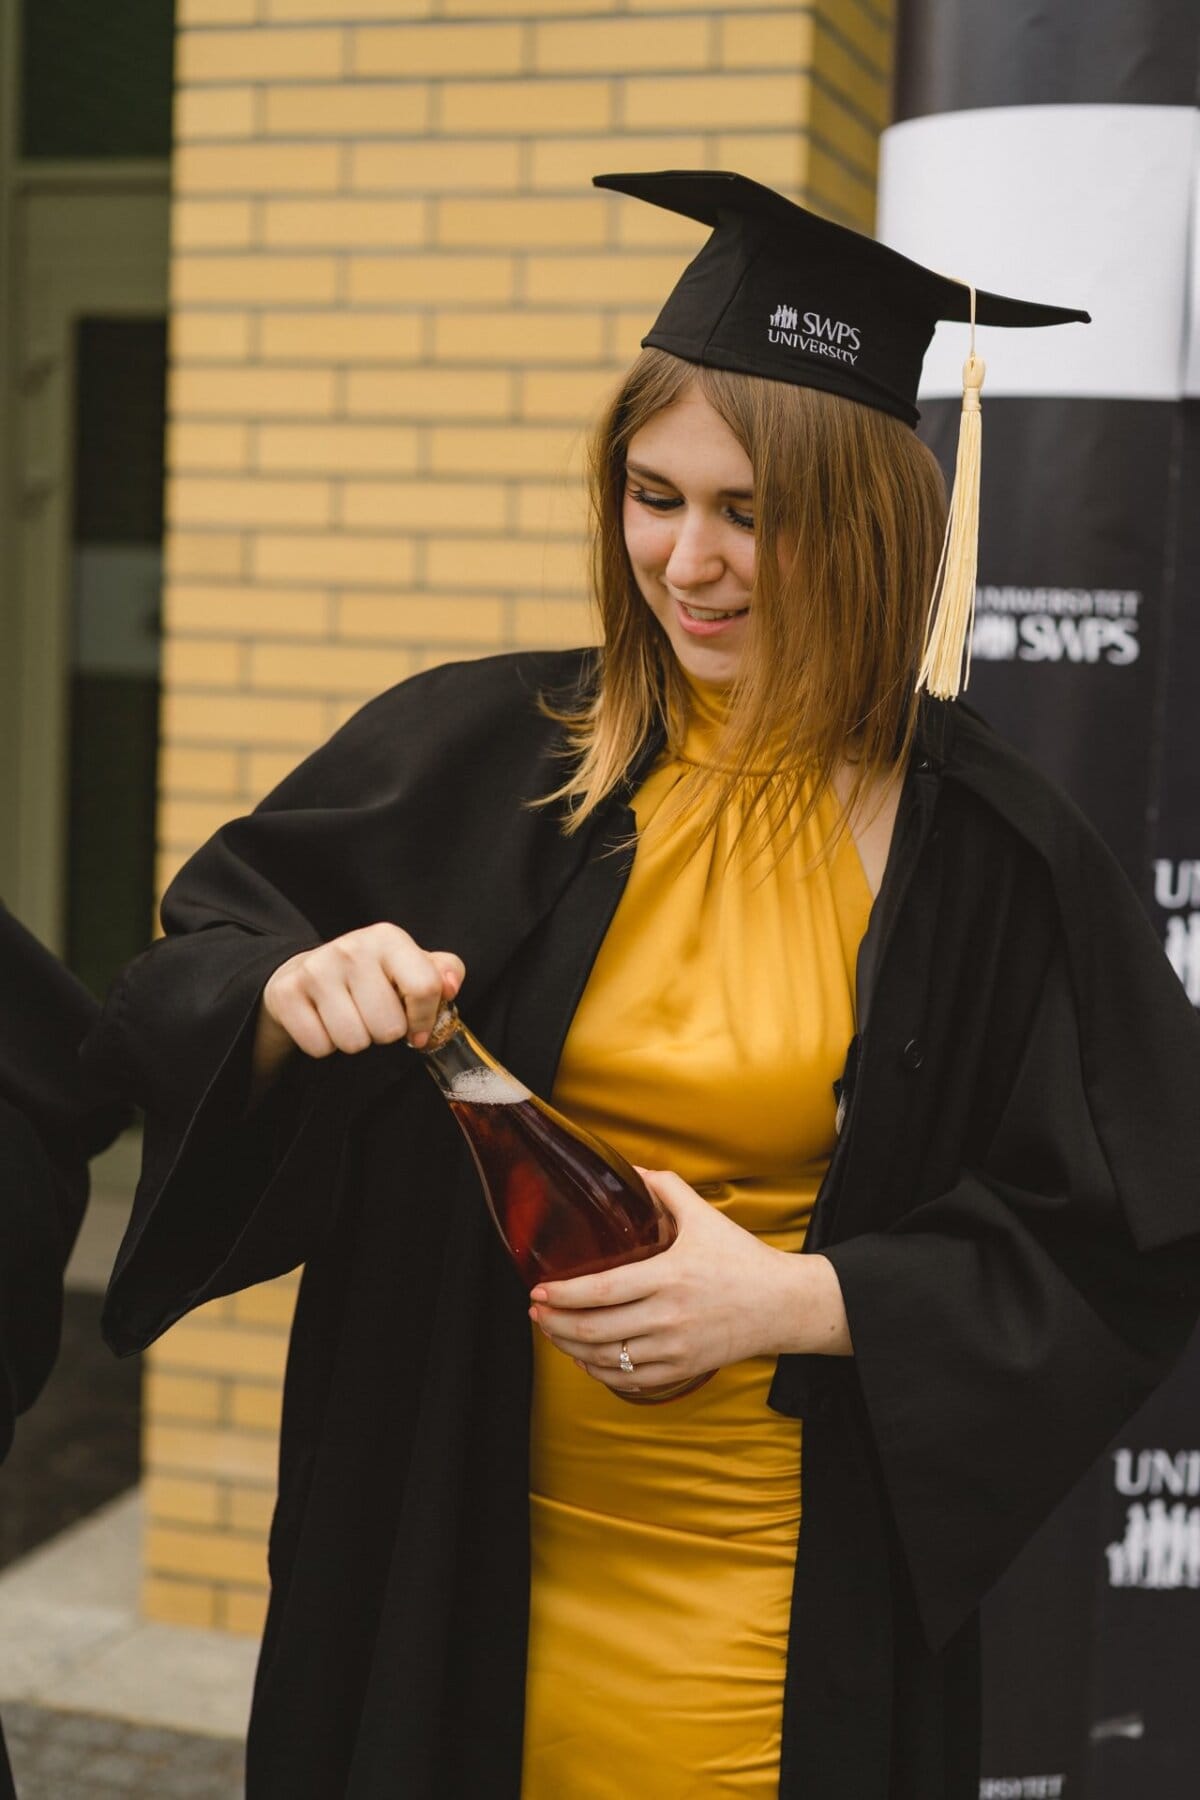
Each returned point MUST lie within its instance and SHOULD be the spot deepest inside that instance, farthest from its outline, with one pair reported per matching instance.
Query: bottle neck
(462, 1067)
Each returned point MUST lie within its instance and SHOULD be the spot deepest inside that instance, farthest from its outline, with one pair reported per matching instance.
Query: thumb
(452, 969)
(671, 1189)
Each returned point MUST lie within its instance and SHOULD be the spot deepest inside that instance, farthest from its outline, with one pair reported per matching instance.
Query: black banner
(1049, 149)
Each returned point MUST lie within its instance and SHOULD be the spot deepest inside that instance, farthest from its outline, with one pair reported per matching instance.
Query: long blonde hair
(826, 681)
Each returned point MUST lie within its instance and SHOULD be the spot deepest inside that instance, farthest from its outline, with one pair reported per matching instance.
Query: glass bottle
(563, 1202)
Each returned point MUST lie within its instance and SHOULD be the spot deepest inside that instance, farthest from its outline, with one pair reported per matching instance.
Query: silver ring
(626, 1361)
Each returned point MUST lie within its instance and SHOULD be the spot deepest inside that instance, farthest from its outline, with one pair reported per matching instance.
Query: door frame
(76, 239)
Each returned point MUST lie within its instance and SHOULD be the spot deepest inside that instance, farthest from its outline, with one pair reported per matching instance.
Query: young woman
(837, 969)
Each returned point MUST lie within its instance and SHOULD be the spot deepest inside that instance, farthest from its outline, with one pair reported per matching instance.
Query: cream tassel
(952, 609)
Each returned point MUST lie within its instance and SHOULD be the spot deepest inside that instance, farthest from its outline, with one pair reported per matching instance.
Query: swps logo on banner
(1161, 1545)
(1055, 624)
(1022, 1787)
(1177, 892)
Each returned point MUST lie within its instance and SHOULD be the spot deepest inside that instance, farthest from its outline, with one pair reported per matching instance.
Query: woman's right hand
(371, 986)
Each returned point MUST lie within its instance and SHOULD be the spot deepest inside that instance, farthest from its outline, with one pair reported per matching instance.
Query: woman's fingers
(371, 986)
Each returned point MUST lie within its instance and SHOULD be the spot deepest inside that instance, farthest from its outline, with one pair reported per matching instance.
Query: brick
(870, 31)
(201, 662)
(340, 337)
(347, 109)
(209, 336)
(571, 162)
(762, 40)
(253, 1405)
(219, 1555)
(776, 158)
(186, 772)
(423, 276)
(191, 1449)
(329, 668)
(177, 1602)
(202, 553)
(411, 50)
(867, 87)
(271, 1303)
(252, 500)
(568, 394)
(242, 719)
(613, 277)
(482, 8)
(191, 445)
(256, 55)
(429, 393)
(552, 509)
(195, 1344)
(425, 505)
(440, 167)
(383, 617)
(176, 1397)
(642, 227)
(343, 9)
(519, 565)
(192, 822)
(241, 611)
(256, 168)
(242, 1613)
(629, 328)
(341, 223)
(212, 225)
(528, 107)
(518, 336)
(503, 449)
(839, 129)
(339, 449)
(215, 12)
(182, 1499)
(840, 192)
(251, 1509)
(196, 278)
(589, 45)
(349, 561)
(555, 624)
(251, 393)
(506, 223)
(713, 101)
(213, 112)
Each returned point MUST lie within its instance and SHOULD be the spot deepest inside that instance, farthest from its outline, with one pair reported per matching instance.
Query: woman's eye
(659, 502)
(665, 503)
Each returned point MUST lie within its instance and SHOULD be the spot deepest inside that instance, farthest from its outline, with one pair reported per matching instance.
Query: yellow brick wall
(396, 304)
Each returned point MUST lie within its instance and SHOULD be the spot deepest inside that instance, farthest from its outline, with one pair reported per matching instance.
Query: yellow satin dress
(712, 1028)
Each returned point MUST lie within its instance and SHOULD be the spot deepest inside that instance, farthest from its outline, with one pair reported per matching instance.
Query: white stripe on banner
(1088, 206)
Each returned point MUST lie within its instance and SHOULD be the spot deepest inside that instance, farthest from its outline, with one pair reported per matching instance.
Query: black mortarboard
(779, 291)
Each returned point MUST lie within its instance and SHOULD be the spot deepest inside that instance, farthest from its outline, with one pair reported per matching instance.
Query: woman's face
(689, 529)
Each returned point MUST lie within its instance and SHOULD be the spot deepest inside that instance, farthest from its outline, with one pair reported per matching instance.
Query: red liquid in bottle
(564, 1203)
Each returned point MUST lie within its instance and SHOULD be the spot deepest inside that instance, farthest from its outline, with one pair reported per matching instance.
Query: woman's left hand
(717, 1296)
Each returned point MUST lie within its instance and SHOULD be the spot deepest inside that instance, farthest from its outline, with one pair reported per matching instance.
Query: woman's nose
(695, 559)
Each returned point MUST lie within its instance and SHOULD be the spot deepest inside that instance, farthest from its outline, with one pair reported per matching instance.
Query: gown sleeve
(50, 1124)
(408, 814)
(232, 1194)
(1004, 1329)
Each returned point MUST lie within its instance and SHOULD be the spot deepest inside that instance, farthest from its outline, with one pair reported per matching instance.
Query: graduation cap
(781, 292)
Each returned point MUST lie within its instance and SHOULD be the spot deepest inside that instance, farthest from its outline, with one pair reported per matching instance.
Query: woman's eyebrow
(665, 481)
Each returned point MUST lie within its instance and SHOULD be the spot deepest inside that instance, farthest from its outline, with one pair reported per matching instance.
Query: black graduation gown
(1013, 1210)
(49, 1126)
